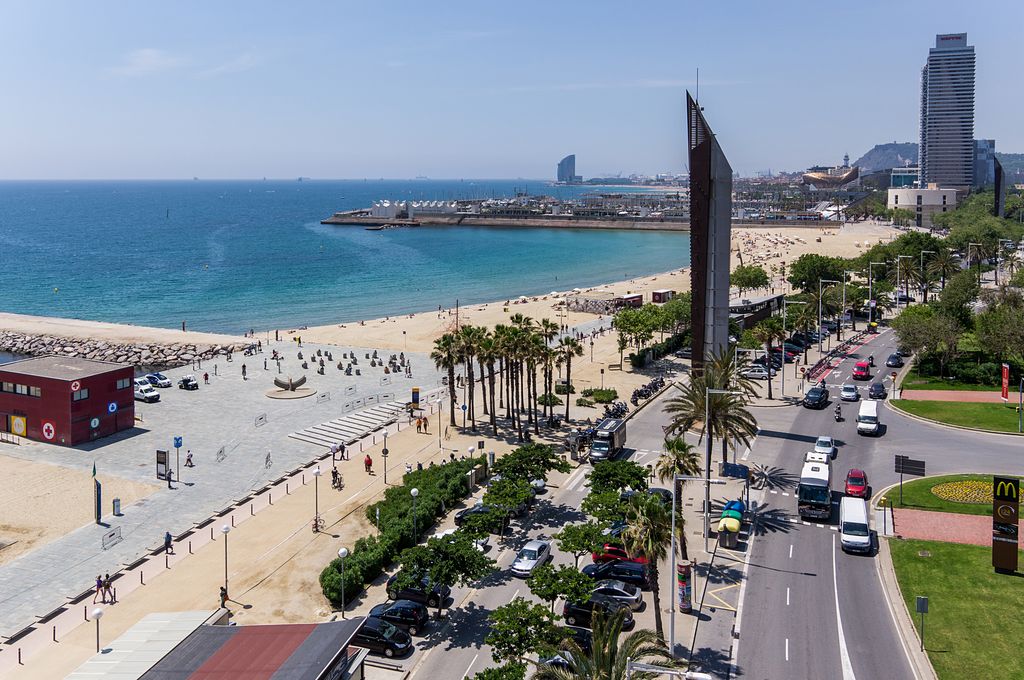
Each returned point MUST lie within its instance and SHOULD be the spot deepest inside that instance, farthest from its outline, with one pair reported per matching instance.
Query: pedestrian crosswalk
(351, 427)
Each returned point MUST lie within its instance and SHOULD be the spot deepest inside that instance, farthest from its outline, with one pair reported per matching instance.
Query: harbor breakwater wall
(153, 355)
(353, 218)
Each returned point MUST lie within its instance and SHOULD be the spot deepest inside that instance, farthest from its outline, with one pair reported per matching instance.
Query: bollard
(85, 612)
(232, 521)
(190, 547)
(286, 488)
(211, 532)
(270, 498)
(19, 657)
(303, 479)
(250, 510)
(141, 582)
(54, 632)
(167, 561)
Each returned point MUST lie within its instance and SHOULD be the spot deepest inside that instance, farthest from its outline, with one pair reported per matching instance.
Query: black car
(816, 397)
(877, 391)
(189, 382)
(628, 572)
(581, 614)
(664, 495)
(800, 340)
(424, 593)
(478, 509)
(382, 637)
(410, 616)
(894, 360)
(581, 636)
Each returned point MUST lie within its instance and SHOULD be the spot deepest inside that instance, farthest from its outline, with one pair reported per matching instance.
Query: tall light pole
(97, 614)
(785, 303)
(871, 291)
(846, 277)
(342, 554)
(820, 337)
(225, 530)
(316, 497)
(898, 258)
(707, 455)
(415, 529)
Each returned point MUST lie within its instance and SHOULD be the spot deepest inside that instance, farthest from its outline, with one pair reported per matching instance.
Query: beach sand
(113, 332)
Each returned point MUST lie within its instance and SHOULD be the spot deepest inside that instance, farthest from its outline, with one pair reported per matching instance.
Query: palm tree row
(506, 362)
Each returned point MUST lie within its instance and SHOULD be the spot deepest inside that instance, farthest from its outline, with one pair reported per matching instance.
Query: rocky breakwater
(138, 354)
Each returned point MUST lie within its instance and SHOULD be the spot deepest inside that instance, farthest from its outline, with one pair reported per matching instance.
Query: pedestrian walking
(168, 544)
(368, 464)
(426, 429)
(452, 455)
(419, 465)
(243, 372)
(99, 590)
(223, 597)
(188, 459)
(419, 425)
(170, 478)
(408, 468)
(264, 363)
(108, 590)
(206, 378)
(342, 449)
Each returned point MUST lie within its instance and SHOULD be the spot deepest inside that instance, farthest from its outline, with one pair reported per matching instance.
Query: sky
(453, 89)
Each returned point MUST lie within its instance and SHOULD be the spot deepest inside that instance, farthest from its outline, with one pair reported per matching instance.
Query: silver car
(825, 445)
(849, 392)
(533, 554)
(620, 592)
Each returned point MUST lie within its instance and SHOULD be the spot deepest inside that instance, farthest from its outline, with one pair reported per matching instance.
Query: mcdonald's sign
(1005, 523)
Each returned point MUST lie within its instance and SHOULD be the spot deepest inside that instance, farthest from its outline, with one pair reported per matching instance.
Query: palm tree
(548, 330)
(569, 347)
(648, 532)
(611, 654)
(470, 338)
(487, 356)
(446, 356)
(944, 264)
(680, 459)
(767, 332)
(805, 318)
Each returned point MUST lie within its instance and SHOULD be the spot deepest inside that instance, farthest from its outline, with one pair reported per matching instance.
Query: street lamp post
(316, 496)
(225, 530)
(842, 316)
(871, 291)
(97, 614)
(415, 529)
(820, 337)
(785, 304)
(342, 554)
(907, 301)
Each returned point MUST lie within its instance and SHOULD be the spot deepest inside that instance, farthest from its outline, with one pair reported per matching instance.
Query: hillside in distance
(890, 155)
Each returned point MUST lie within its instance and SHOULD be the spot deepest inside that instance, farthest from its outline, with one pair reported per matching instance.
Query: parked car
(610, 552)
(903, 297)
(857, 483)
(479, 543)
(423, 593)
(685, 353)
(531, 556)
(625, 593)
(826, 445)
(145, 392)
(816, 397)
(861, 371)
(382, 637)
(792, 347)
(904, 351)
(894, 360)
(629, 572)
(188, 382)
(785, 355)
(800, 340)
(410, 616)
(581, 614)
(158, 380)
(615, 529)
(849, 392)
(757, 373)
(664, 495)
(477, 508)
(877, 391)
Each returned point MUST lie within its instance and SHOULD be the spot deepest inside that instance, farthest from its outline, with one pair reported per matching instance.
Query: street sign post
(1005, 523)
(177, 456)
(908, 466)
(922, 609)
(161, 464)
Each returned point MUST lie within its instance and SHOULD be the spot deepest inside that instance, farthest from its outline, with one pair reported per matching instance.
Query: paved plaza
(239, 439)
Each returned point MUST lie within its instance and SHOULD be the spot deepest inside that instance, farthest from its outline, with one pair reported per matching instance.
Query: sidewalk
(953, 395)
(943, 526)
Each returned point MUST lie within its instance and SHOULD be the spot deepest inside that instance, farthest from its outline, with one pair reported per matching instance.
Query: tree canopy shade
(958, 296)
(649, 532)
(550, 583)
(521, 628)
(748, 277)
(808, 269)
(580, 539)
(506, 671)
(529, 462)
(615, 475)
(447, 560)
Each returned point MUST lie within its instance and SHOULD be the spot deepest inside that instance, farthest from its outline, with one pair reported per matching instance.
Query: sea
(229, 256)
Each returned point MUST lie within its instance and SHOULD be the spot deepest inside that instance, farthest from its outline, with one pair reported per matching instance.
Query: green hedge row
(673, 343)
(440, 488)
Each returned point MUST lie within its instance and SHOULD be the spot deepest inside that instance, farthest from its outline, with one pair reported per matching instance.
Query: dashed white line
(806, 524)
(466, 674)
(787, 649)
(844, 654)
(790, 551)
(787, 596)
(785, 493)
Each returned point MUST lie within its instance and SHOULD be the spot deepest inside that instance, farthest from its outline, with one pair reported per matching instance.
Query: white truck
(814, 493)
(609, 440)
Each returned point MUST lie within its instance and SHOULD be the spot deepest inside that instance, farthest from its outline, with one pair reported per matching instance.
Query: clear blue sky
(232, 89)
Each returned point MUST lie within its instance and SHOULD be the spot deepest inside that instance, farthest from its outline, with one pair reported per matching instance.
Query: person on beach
(368, 464)
(243, 372)
(206, 378)
(99, 590)
(168, 543)
(188, 459)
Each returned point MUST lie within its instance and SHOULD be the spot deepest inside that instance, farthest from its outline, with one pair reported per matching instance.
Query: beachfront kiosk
(66, 400)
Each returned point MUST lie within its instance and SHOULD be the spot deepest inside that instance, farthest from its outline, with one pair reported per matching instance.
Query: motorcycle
(839, 414)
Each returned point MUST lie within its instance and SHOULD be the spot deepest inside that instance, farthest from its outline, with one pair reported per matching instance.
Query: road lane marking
(844, 654)
(466, 674)
(787, 596)
(790, 551)
(785, 493)
(787, 649)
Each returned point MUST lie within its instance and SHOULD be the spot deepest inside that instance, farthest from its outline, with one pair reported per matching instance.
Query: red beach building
(66, 400)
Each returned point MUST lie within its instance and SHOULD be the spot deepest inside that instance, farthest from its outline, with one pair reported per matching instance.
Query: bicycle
(318, 524)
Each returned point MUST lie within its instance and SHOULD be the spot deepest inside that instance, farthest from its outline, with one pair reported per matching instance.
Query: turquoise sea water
(229, 256)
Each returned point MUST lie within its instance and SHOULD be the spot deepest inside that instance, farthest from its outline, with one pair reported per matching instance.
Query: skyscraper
(567, 169)
(947, 113)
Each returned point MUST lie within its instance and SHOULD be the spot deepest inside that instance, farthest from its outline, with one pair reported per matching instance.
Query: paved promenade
(943, 526)
(239, 440)
(953, 395)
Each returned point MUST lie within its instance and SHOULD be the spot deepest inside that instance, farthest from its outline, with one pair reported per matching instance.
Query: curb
(962, 428)
(920, 664)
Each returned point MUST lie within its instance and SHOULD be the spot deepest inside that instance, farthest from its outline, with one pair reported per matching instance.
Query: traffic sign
(94, 423)
(909, 466)
(112, 407)
(75, 386)
(464, 407)
(49, 431)
(177, 442)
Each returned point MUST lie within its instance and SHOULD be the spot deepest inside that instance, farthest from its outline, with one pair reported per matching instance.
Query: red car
(861, 371)
(616, 552)
(857, 483)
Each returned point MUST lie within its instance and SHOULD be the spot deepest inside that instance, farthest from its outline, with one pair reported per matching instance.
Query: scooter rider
(839, 412)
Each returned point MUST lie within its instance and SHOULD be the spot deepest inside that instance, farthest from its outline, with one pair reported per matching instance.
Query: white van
(867, 418)
(145, 392)
(854, 529)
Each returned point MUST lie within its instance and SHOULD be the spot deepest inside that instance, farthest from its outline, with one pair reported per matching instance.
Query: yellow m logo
(1006, 490)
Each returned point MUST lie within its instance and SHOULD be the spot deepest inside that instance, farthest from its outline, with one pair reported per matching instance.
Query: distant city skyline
(464, 90)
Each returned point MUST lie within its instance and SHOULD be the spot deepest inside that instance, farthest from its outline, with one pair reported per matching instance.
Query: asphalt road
(827, 612)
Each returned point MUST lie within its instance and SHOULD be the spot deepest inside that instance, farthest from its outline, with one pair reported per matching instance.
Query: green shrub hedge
(549, 400)
(605, 396)
(562, 388)
(441, 488)
(583, 401)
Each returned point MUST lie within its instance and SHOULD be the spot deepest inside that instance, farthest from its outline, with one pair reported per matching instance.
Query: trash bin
(117, 507)
(729, 539)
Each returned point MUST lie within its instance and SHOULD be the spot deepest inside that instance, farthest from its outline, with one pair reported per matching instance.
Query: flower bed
(965, 491)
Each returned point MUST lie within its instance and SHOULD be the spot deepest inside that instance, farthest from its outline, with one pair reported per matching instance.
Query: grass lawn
(917, 495)
(913, 381)
(998, 417)
(973, 628)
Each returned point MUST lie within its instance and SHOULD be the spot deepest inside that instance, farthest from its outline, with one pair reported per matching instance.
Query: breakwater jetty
(137, 354)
